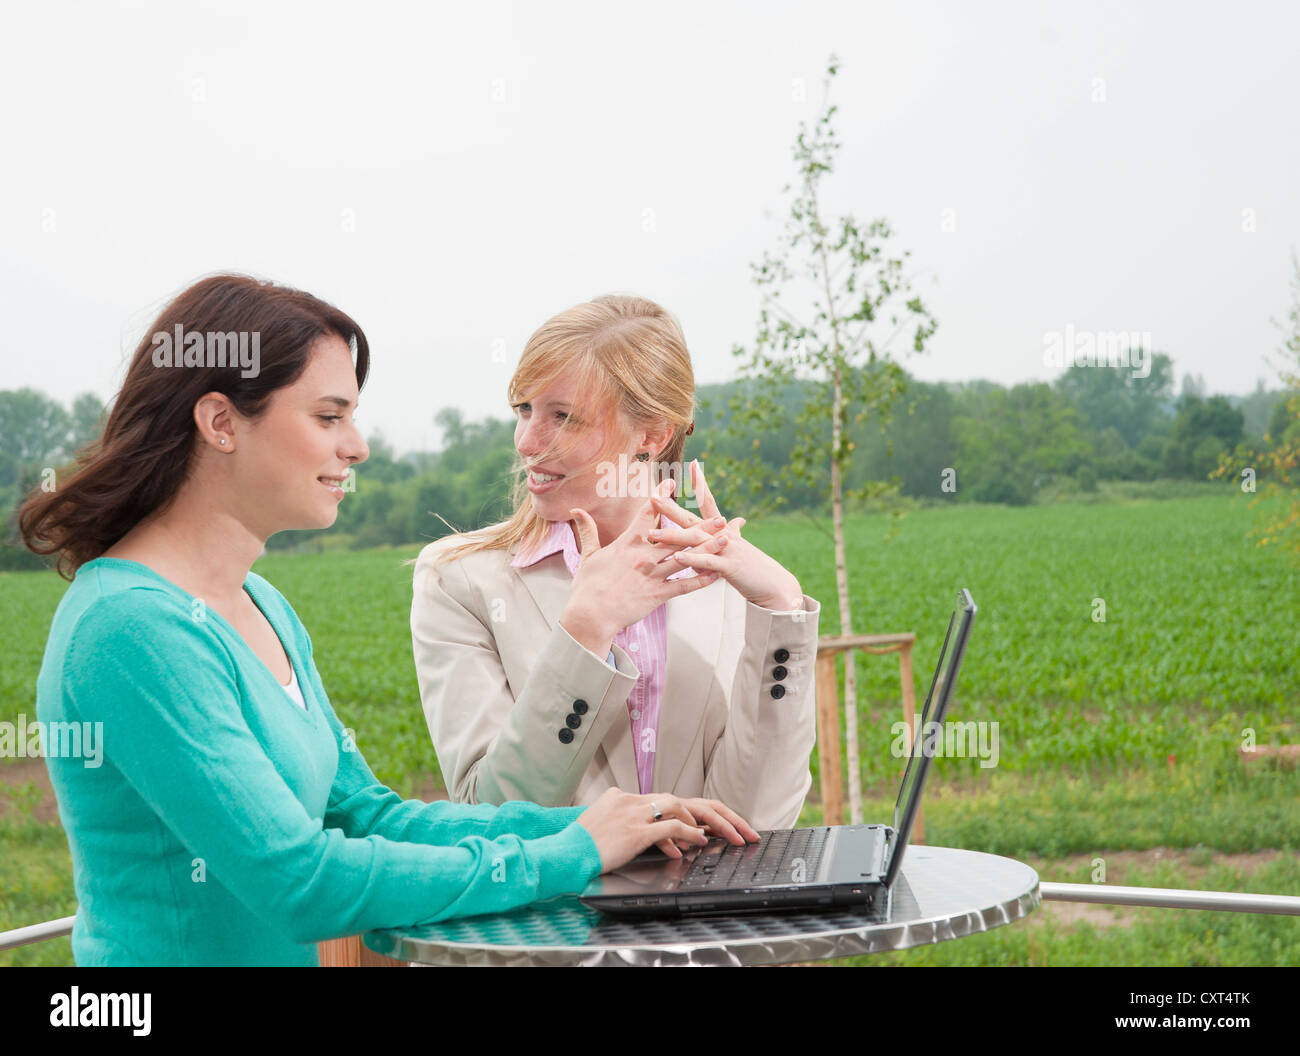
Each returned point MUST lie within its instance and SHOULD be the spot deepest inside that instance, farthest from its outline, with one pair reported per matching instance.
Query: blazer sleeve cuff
(575, 697)
(796, 620)
(788, 644)
(579, 668)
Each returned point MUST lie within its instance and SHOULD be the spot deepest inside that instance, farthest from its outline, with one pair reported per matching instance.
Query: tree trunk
(846, 614)
(837, 520)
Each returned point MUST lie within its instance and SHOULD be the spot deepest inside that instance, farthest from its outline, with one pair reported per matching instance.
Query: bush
(1010, 488)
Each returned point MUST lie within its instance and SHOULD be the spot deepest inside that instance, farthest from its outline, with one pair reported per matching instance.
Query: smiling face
(569, 456)
(299, 453)
(584, 477)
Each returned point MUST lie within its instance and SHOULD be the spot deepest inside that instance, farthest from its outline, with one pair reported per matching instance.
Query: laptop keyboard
(783, 857)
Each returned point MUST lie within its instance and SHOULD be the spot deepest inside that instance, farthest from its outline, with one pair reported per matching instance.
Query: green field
(1118, 739)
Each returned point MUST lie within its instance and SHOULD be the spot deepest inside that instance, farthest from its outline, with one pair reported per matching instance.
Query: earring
(643, 456)
(223, 441)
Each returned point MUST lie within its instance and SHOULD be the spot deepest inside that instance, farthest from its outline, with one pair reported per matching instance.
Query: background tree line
(989, 442)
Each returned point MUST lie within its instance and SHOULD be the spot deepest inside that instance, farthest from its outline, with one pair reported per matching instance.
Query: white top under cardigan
(294, 690)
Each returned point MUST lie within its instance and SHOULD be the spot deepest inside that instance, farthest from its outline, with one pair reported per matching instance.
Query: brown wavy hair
(629, 360)
(138, 463)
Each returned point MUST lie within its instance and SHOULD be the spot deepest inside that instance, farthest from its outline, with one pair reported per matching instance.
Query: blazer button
(781, 656)
(778, 691)
(779, 673)
(580, 706)
(566, 736)
(572, 721)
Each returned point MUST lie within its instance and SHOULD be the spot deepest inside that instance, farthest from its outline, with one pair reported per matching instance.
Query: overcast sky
(453, 174)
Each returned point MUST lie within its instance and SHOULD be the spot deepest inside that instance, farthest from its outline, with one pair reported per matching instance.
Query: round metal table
(941, 893)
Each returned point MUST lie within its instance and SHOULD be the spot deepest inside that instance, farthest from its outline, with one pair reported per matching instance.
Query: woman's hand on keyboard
(719, 819)
(622, 825)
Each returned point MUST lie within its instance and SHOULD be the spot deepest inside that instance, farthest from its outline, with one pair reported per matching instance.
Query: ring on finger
(658, 814)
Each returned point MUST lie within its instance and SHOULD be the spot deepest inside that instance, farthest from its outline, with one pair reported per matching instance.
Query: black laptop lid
(918, 765)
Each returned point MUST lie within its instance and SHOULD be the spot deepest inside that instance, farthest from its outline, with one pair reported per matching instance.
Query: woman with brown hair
(232, 821)
(604, 636)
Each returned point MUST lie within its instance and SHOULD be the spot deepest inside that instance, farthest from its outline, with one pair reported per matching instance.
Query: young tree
(833, 300)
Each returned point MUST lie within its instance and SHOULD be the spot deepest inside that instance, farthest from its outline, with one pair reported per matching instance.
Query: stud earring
(643, 456)
(223, 441)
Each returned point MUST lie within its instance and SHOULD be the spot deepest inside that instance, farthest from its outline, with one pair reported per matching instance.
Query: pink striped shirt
(646, 641)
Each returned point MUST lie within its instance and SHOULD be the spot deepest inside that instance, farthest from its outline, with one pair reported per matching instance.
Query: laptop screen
(933, 710)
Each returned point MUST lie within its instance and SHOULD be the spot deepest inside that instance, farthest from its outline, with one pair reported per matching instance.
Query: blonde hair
(630, 362)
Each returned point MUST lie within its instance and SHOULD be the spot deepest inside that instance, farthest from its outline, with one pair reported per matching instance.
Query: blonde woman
(606, 636)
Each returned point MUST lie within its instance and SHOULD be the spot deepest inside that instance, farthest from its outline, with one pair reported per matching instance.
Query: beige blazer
(504, 684)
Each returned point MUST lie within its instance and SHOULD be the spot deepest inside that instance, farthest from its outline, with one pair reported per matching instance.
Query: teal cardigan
(221, 823)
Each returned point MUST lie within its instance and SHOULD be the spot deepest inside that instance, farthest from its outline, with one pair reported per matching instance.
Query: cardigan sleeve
(360, 805)
(166, 692)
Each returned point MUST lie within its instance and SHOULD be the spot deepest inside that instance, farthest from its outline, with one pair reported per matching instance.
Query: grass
(1195, 643)
(35, 885)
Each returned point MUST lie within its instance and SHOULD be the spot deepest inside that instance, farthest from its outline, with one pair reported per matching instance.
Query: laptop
(816, 868)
